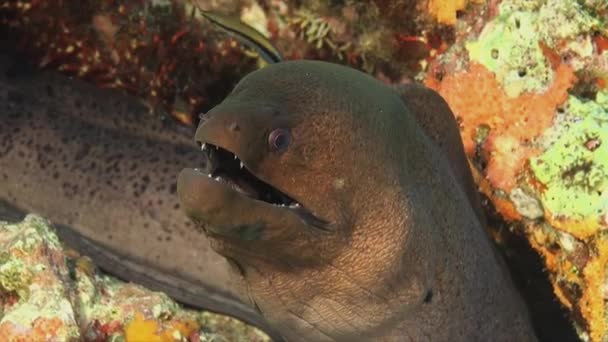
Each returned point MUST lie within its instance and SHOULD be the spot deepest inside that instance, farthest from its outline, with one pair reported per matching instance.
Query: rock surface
(49, 293)
(534, 125)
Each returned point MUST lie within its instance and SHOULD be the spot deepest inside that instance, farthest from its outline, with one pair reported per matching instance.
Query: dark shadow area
(10, 213)
(549, 318)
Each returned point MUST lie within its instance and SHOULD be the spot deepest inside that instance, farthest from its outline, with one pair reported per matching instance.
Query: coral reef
(571, 179)
(512, 45)
(525, 78)
(445, 10)
(498, 123)
(166, 53)
(392, 39)
(48, 292)
(529, 91)
(574, 167)
(160, 51)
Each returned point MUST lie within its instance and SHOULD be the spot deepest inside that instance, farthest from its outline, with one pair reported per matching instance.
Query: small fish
(245, 34)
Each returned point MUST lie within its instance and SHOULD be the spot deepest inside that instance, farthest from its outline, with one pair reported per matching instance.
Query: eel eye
(279, 140)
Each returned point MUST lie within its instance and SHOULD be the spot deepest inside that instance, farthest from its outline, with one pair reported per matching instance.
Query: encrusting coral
(529, 92)
(571, 180)
(48, 292)
(510, 123)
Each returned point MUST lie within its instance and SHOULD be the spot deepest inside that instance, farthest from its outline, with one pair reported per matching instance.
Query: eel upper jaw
(227, 168)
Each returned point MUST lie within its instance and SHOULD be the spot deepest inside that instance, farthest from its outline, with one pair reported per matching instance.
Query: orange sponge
(140, 329)
(445, 10)
(477, 100)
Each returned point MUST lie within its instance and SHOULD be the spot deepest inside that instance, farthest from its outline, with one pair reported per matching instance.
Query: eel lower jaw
(246, 189)
(220, 210)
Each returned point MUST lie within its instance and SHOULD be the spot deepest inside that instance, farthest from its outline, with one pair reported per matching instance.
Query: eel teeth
(225, 171)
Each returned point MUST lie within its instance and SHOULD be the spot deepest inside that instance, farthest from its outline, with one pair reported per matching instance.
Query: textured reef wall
(165, 52)
(525, 78)
(530, 93)
(49, 293)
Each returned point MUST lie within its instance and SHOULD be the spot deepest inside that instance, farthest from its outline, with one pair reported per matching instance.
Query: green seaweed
(574, 168)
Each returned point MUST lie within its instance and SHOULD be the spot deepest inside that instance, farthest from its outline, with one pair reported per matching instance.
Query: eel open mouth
(225, 167)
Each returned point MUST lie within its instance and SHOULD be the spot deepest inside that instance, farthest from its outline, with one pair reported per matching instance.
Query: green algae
(24, 269)
(119, 299)
(565, 20)
(29, 233)
(574, 168)
(510, 44)
(35, 309)
(15, 276)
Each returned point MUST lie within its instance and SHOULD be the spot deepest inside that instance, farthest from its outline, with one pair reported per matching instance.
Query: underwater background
(526, 80)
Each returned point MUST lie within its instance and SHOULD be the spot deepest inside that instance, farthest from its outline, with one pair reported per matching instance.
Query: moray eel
(349, 210)
(103, 170)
